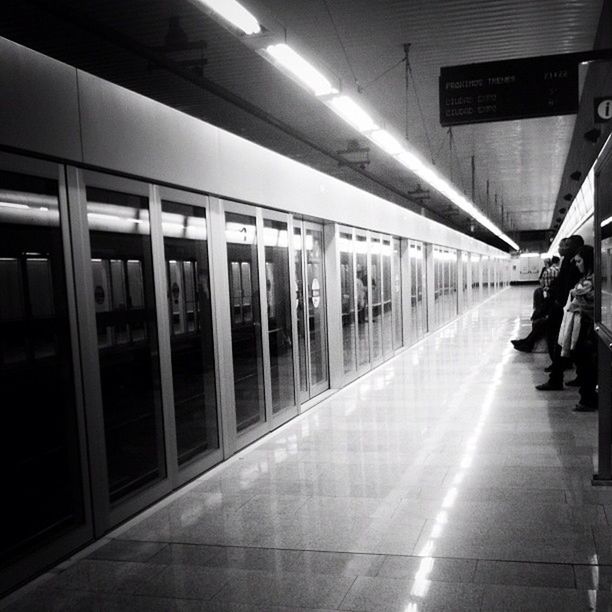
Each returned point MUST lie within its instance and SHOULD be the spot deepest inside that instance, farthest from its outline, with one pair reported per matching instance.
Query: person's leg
(586, 369)
(538, 330)
(555, 380)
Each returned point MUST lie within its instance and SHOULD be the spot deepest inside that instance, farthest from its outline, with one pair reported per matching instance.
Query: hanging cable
(346, 57)
(418, 99)
(380, 76)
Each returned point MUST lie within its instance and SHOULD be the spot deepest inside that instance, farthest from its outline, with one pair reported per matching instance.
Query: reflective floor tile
(260, 559)
(298, 590)
(525, 574)
(185, 582)
(439, 569)
(110, 576)
(127, 550)
(186, 554)
(338, 564)
(389, 594)
(537, 599)
(597, 577)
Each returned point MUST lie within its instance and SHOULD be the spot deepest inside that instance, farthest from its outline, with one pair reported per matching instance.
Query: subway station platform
(441, 480)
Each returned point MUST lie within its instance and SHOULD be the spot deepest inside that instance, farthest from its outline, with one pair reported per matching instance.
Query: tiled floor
(441, 481)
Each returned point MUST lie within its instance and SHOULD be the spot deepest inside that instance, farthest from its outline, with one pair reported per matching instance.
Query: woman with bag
(578, 334)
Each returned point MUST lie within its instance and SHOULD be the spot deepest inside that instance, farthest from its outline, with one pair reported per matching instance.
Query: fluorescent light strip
(352, 113)
(235, 13)
(301, 69)
(386, 142)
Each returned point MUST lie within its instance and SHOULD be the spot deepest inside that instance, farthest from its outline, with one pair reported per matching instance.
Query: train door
(362, 274)
(352, 300)
(186, 342)
(311, 307)
(418, 299)
(119, 316)
(375, 289)
(263, 355)
(46, 513)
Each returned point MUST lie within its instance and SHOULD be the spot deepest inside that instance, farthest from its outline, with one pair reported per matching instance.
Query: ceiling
(361, 42)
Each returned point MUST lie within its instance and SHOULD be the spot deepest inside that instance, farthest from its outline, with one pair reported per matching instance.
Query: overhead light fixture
(235, 13)
(386, 142)
(352, 113)
(304, 71)
(575, 176)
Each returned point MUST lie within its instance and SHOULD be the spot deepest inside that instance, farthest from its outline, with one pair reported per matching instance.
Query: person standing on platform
(559, 290)
(582, 343)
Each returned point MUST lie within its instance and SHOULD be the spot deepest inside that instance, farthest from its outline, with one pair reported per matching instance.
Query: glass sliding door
(317, 321)
(362, 293)
(185, 239)
(247, 354)
(311, 308)
(375, 290)
(453, 264)
(348, 300)
(298, 250)
(476, 287)
(438, 268)
(396, 285)
(387, 303)
(126, 321)
(278, 300)
(43, 479)
(418, 307)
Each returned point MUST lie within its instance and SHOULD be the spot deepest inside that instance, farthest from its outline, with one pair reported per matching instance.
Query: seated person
(540, 305)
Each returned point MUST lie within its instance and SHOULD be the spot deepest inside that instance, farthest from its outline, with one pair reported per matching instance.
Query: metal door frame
(391, 351)
(49, 553)
(238, 440)
(181, 474)
(313, 390)
(354, 373)
(107, 516)
(374, 236)
(367, 366)
(288, 412)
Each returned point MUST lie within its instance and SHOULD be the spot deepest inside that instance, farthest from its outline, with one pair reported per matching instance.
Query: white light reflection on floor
(421, 582)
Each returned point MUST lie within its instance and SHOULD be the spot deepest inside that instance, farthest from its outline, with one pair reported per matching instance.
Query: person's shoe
(573, 383)
(549, 386)
(522, 346)
(584, 408)
(549, 368)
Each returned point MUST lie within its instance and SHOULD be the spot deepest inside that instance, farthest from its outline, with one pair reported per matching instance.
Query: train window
(122, 270)
(190, 314)
(241, 239)
(280, 336)
(40, 435)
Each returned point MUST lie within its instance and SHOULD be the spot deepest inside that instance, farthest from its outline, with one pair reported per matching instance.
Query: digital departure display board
(506, 90)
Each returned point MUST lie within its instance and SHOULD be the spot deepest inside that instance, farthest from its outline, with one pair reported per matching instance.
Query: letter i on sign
(603, 109)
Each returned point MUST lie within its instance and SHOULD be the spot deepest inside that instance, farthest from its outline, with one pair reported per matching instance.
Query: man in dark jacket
(559, 290)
